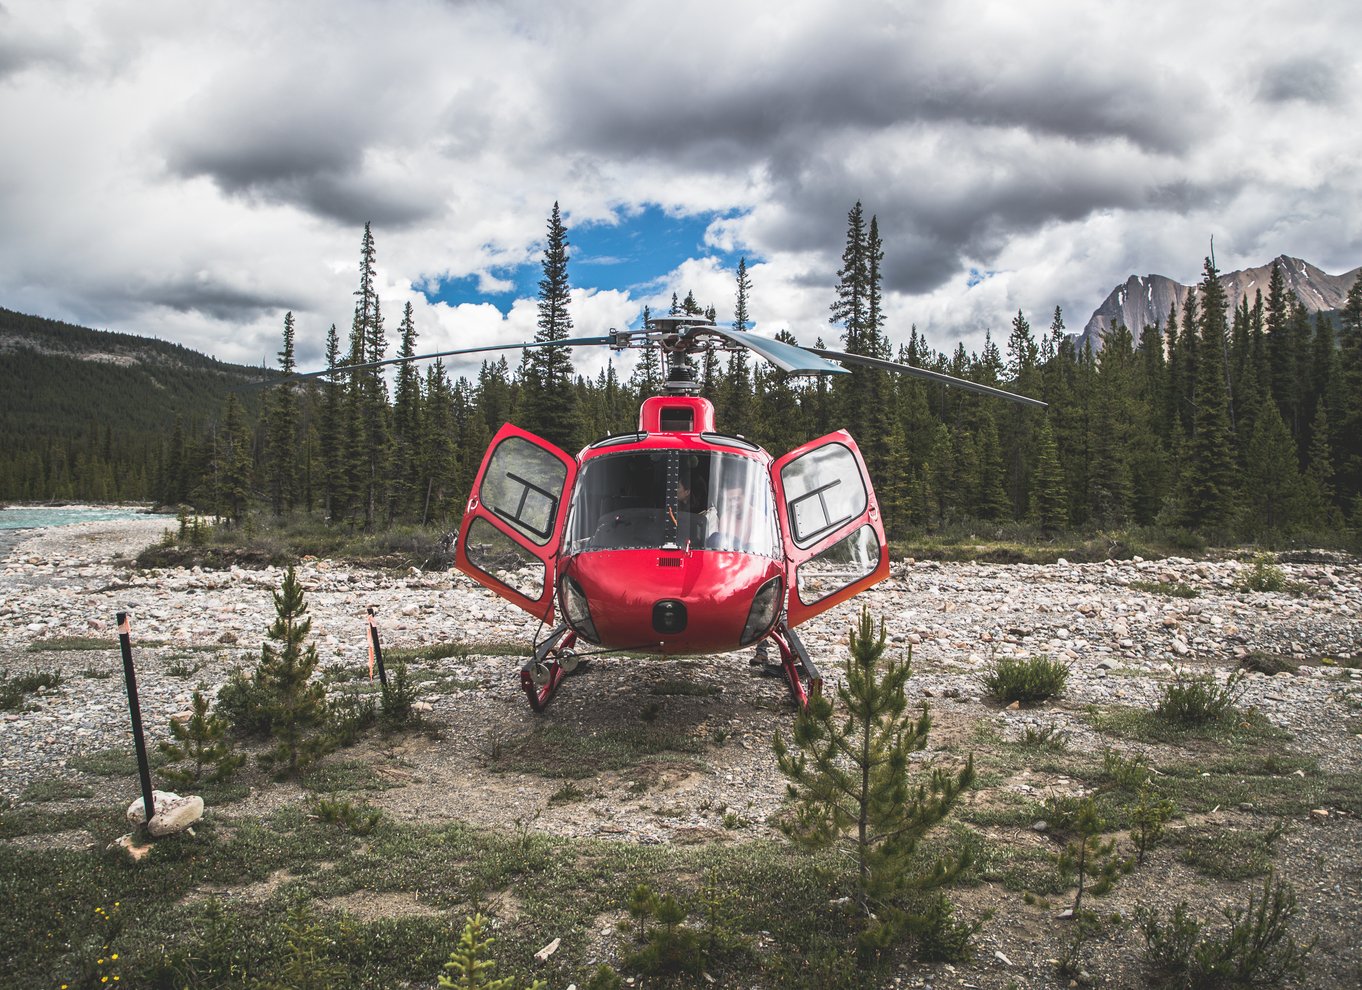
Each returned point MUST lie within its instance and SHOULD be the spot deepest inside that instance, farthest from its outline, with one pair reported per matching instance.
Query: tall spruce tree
(406, 487)
(281, 452)
(1274, 499)
(331, 435)
(548, 400)
(1211, 486)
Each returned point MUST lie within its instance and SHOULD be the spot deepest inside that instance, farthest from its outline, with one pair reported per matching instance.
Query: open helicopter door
(830, 521)
(514, 521)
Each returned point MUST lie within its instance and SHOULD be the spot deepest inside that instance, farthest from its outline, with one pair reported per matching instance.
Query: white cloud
(191, 171)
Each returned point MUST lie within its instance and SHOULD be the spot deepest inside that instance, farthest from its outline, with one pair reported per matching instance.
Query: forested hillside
(1226, 423)
(84, 414)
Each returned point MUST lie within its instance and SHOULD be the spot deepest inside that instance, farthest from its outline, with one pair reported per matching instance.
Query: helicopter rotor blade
(787, 357)
(570, 342)
(935, 376)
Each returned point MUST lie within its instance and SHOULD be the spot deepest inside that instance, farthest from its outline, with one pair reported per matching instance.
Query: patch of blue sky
(977, 275)
(632, 255)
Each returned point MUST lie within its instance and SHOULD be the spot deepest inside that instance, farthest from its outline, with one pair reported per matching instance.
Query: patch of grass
(569, 793)
(445, 651)
(117, 761)
(97, 673)
(1125, 773)
(559, 751)
(64, 644)
(1246, 728)
(345, 775)
(1027, 680)
(1169, 589)
(55, 789)
(1231, 854)
(180, 668)
(1049, 737)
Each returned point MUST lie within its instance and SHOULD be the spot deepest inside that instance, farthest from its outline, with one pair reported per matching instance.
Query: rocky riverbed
(1122, 636)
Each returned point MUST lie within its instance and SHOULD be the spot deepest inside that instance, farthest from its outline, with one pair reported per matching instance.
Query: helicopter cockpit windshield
(673, 499)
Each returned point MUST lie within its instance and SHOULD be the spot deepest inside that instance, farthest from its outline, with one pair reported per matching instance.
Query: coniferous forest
(1221, 424)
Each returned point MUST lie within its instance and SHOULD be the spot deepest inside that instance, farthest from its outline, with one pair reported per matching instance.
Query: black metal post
(378, 649)
(139, 742)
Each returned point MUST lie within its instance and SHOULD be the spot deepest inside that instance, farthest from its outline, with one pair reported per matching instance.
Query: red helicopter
(676, 539)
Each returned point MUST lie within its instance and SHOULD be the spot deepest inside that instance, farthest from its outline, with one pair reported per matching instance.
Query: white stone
(173, 812)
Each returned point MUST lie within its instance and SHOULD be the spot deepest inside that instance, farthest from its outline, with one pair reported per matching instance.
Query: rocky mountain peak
(1145, 299)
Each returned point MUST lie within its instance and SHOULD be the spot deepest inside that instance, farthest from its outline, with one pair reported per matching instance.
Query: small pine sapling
(202, 740)
(297, 704)
(469, 968)
(1147, 819)
(398, 698)
(851, 783)
(1088, 854)
(671, 946)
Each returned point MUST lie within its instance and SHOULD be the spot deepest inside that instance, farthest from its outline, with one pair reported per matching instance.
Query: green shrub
(1026, 679)
(1194, 700)
(13, 691)
(1049, 737)
(1265, 576)
(347, 718)
(399, 698)
(1125, 773)
(356, 819)
(1258, 949)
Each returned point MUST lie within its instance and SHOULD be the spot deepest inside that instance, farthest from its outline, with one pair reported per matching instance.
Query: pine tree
(407, 472)
(1272, 485)
(202, 740)
(1110, 483)
(331, 435)
(281, 453)
(233, 472)
(1318, 481)
(296, 705)
(1211, 487)
(851, 782)
(1049, 501)
(439, 448)
(549, 402)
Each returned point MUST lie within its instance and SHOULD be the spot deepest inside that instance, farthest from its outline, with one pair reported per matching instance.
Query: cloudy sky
(191, 171)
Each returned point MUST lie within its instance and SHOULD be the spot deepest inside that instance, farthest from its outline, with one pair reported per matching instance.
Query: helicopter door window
(522, 485)
(504, 560)
(823, 490)
(847, 561)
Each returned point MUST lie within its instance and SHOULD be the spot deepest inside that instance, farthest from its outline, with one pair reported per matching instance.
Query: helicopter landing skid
(553, 660)
(801, 675)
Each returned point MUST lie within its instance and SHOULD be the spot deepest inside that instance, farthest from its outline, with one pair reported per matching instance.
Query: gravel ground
(65, 585)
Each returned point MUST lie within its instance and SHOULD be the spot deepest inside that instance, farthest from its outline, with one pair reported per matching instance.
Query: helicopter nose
(669, 616)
